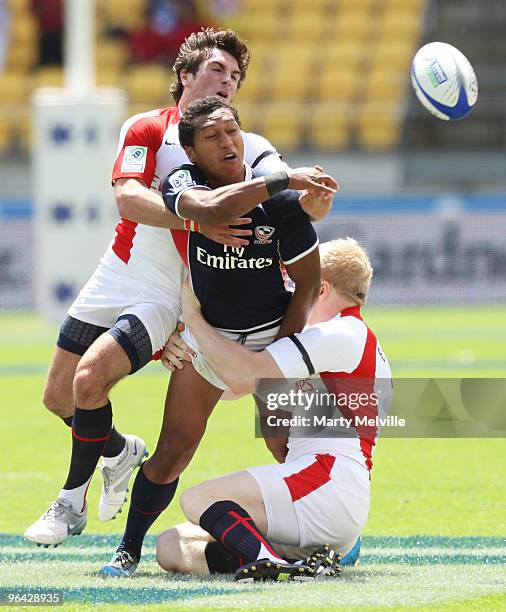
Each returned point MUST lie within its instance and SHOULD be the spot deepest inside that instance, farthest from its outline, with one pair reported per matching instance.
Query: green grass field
(435, 539)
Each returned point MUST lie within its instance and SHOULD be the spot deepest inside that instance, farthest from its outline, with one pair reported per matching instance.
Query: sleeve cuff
(176, 203)
(288, 358)
(301, 255)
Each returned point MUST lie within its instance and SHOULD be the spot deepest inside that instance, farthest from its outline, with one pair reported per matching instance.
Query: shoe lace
(57, 508)
(125, 559)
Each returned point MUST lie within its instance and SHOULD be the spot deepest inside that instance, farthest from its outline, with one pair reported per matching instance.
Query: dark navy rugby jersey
(241, 288)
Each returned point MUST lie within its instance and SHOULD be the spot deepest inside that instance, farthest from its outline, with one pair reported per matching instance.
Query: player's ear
(186, 77)
(324, 289)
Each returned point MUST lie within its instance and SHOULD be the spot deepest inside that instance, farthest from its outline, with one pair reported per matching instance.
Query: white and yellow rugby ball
(444, 81)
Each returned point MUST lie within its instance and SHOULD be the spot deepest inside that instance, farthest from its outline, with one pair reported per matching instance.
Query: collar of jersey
(351, 311)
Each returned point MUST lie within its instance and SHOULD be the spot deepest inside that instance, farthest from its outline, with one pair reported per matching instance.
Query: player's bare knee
(89, 386)
(191, 504)
(168, 547)
(196, 500)
(50, 399)
(55, 402)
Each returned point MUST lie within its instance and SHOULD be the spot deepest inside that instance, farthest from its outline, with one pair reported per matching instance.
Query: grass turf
(435, 487)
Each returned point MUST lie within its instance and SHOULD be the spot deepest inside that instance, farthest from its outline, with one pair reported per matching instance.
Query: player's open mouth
(222, 94)
(230, 157)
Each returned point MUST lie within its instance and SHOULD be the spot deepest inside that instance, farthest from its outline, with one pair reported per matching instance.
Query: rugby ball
(444, 81)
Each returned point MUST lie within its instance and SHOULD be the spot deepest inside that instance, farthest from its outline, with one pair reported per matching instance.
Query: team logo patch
(134, 159)
(263, 234)
(181, 180)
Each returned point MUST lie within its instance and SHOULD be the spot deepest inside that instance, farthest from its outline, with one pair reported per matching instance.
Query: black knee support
(131, 334)
(77, 336)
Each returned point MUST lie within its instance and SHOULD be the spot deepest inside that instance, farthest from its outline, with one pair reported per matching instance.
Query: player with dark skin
(217, 151)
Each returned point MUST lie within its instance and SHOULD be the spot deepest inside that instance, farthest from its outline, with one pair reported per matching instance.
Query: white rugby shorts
(255, 341)
(313, 500)
(107, 295)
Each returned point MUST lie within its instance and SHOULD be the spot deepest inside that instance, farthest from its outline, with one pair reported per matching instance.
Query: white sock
(265, 554)
(76, 496)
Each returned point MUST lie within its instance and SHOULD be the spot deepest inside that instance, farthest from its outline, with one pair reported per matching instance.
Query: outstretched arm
(224, 204)
(138, 203)
(263, 157)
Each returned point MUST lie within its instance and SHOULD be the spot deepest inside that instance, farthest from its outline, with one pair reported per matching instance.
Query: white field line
(88, 551)
(376, 552)
(433, 551)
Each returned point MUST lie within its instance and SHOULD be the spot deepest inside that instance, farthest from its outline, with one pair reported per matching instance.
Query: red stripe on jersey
(144, 130)
(310, 478)
(366, 445)
(157, 355)
(181, 238)
(124, 239)
(366, 372)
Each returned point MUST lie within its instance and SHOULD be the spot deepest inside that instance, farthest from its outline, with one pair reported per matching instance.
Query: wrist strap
(276, 182)
(191, 226)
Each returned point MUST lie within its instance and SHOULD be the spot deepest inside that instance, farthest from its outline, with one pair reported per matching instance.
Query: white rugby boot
(115, 486)
(57, 524)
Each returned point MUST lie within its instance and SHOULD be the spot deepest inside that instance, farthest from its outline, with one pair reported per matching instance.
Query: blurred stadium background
(329, 82)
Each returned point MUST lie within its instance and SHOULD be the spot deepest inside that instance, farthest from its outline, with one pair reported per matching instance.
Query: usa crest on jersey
(263, 234)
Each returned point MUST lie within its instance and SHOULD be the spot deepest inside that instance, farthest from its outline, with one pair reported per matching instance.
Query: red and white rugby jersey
(148, 150)
(339, 355)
